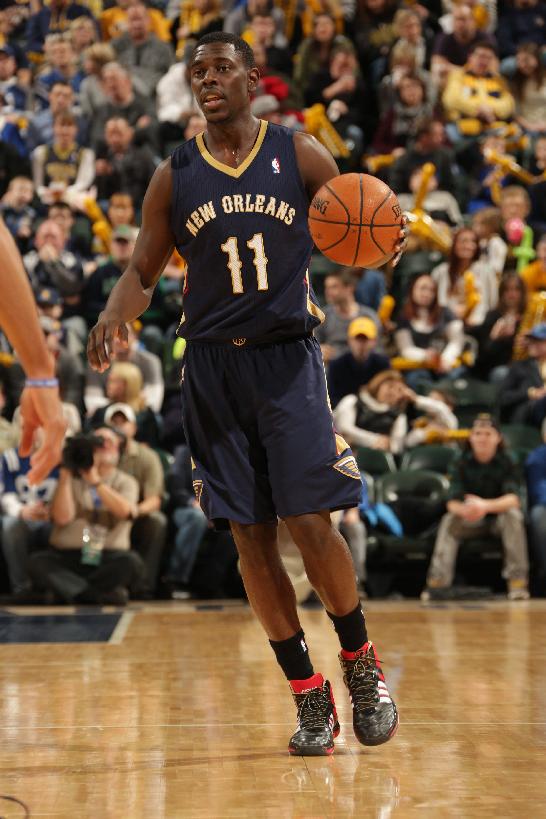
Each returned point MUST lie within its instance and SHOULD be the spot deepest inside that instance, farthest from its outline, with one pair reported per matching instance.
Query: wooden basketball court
(182, 711)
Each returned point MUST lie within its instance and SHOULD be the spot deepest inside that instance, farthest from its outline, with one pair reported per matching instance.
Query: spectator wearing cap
(122, 166)
(381, 413)
(149, 532)
(522, 394)
(100, 283)
(50, 305)
(18, 212)
(483, 500)
(351, 370)
(535, 474)
(341, 308)
(102, 495)
(65, 167)
(141, 52)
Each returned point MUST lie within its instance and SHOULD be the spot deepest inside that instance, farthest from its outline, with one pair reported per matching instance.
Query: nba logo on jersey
(276, 165)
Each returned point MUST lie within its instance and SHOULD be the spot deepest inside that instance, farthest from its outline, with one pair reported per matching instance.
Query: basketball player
(40, 404)
(234, 201)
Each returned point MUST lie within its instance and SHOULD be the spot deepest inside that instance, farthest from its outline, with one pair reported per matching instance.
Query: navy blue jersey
(243, 233)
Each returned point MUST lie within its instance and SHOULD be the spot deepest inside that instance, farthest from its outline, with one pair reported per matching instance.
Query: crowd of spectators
(443, 99)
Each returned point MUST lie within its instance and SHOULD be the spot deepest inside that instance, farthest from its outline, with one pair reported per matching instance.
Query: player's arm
(317, 166)
(40, 403)
(132, 293)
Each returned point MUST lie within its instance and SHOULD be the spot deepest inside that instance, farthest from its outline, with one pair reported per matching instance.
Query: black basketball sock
(351, 629)
(293, 657)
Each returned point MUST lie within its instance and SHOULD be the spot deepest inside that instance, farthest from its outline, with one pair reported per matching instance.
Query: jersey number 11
(235, 264)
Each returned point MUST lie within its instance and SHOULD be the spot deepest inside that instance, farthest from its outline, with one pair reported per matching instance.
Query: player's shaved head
(240, 46)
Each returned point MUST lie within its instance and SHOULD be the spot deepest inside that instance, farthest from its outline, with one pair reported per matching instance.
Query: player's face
(220, 81)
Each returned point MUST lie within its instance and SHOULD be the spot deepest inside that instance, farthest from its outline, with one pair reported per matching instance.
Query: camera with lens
(79, 452)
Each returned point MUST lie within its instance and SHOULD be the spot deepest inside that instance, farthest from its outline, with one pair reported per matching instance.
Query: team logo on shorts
(276, 165)
(348, 466)
(198, 490)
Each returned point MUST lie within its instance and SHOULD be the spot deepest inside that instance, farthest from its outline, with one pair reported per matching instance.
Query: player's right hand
(101, 340)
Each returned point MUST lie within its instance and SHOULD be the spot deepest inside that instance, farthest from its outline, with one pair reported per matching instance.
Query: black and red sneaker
(317, 719)
(375, 718)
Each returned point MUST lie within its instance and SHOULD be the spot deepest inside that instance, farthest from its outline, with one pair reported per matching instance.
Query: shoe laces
(313, 707)
(362, 678)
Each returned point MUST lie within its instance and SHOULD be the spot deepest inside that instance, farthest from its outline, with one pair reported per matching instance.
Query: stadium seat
(375, 461)
(521, 438)
(436, 458)
(471, 397)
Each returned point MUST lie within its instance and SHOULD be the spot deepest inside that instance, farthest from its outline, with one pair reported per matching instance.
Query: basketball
(355, 219)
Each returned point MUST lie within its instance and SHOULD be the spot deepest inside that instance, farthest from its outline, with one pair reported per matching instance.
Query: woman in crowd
(380, 416)
(466, 285)
(124, 385)
(314, 52)
(529, 89)
(499, 331)
(429, 337)
(399, 123)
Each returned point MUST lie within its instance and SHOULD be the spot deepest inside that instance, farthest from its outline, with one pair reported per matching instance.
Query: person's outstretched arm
(132, 293)
(40, 404)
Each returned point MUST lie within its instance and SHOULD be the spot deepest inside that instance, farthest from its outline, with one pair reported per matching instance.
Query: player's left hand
(402, 242)
(41, 408)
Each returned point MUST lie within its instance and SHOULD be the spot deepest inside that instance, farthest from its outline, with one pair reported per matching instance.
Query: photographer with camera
(90, 559)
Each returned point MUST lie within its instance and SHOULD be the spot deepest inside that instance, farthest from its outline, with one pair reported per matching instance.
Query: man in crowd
(483, 500)
(523, 392)
(350, 371)
(141, 52)
(121, 165)
(341, 308)
(86, 498)
(149, 532)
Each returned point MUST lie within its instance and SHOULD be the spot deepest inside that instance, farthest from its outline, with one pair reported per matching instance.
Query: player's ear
(253, 79)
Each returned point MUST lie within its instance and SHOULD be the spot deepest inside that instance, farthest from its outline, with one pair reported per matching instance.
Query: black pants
(63, 572)
(148, 538)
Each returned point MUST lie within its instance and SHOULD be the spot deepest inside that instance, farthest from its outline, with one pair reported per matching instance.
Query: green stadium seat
(375, 461)
(433, 457)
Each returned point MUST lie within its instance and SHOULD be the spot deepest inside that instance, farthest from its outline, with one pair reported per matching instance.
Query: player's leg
(272, 597)
(330, 570)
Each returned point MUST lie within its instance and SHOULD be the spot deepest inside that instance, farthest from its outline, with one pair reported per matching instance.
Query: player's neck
(232, 142)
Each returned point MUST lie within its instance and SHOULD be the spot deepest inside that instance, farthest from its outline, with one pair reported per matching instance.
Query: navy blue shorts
(259, 427)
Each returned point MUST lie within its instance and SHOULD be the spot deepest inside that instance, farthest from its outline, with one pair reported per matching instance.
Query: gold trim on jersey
(312, 308)
(227, 169)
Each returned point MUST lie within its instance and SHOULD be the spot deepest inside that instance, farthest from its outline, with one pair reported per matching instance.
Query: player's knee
(254, 540)
(313, 532)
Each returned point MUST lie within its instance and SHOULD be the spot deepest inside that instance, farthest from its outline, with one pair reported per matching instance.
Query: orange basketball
(355, 219)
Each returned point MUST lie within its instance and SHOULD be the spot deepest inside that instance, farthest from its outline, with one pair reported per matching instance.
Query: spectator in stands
(189, 520)
(352, 370)
(69, 367)
(77, 231)
(18, 212)
(522, 394)
(429, 337)
(468, 297)
(50, 305)
(315, 51)
(113, 21)
(340, 89)
(92, 93)
(375, 35)
(452, 50)
(51, 265)
(483, 499)
(175, 103)
(25, 519)
(102, 496)
(83, 35)
(500, 329)
(12, 164)
(534, 274)
(9, 434)
(149, 532)
(521, 21)
(341, 308)
(122, 100)
(16, 95)
(380, 415)
(99, 285)
(121, 165)
(408, 26)
(476, 97)
(52, 19)
(62, 67)
(64, 167)
(150, 369)
(403, 62)
(40, 126)
(238, 20)
(528, 86)
(487, 225)
(440, 205)
(535, 473)
(429, 146)
(263, 31)
(197, 18)
(141, 52)
(401, 121)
